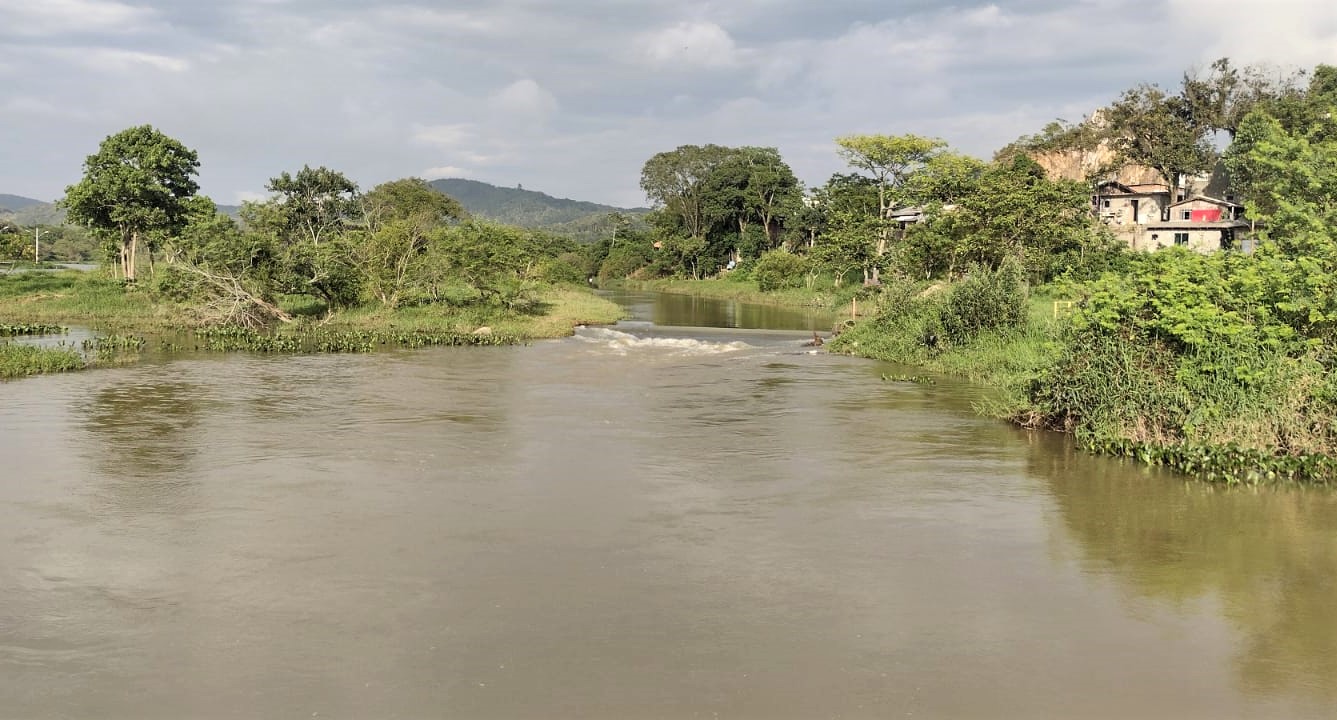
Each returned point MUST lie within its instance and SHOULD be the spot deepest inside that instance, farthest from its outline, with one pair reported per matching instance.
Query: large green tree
(889, 160)
(137, 183)
(1221, 95)
(310, 218)
(675, 182)
(402, 218)
(1159, 131)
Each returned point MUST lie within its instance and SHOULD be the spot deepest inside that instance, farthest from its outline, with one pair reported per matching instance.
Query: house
(1199, 223)
(1147, 217)
(1127, 206)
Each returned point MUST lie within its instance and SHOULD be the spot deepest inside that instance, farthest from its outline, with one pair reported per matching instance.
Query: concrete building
(1147, 218)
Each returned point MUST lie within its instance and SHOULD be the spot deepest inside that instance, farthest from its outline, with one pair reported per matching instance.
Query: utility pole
(37, 244)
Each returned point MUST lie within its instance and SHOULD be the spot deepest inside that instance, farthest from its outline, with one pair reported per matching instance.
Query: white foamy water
(623, 343)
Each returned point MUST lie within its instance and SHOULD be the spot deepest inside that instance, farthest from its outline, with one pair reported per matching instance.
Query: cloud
(526, 98)
(698, 44)
(1296, 32)
(244, 196)
(62, 17)
(445, 171)
(117, 61)
(525, 91)
(443, 136)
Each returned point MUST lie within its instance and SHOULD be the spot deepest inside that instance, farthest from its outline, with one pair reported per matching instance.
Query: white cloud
(1290, 32)
(443, 136)
(59, 17)
(524, 97)
(445, 171)
(114, 60)
(697, 44)
(524, 91)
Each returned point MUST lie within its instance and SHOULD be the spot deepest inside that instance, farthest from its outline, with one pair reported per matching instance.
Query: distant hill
(583, 221)
(579, 220)
(14, 203)
(27, 211)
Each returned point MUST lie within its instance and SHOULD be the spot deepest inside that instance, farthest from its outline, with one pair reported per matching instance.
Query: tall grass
(23, 360)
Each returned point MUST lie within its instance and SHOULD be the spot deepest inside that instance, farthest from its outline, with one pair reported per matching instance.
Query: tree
(315, 202)
(1017, 212)
(675, 180)
(402, 216)
(850, 226)
(1157, 130)
(1289, 179)
(889, 160)
(1221, 96)
(309, 220)
(136, 183)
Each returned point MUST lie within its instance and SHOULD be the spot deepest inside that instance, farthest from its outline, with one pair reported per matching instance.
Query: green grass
(24, 360)
(88, 299)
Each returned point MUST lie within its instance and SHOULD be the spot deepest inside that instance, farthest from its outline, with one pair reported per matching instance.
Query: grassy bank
(41, 303)
(1220, 367)
(91, 300)
(23, 360)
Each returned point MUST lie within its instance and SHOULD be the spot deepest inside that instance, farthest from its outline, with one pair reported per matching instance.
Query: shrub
(780, 270)
(985, 300)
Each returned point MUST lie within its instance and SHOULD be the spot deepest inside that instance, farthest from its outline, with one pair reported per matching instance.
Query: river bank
(45, 302)
(1231, 418)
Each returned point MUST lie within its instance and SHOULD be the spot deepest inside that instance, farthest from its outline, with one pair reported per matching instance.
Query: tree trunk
(134, 250)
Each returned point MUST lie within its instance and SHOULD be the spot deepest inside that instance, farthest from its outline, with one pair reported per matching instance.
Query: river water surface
(637, 522)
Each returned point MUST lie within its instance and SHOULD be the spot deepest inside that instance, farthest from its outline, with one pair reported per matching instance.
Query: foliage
(1202, 350)
(137, 183)
(1159, 131)
(1057, 136)
(1220, 96)
(1287, 170)
(31, 329)
(22, 360)
(985, 300)
(780, 269)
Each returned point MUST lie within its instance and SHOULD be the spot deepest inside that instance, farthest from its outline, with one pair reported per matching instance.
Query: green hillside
(27, 211)
(580, 220)
(14, 203)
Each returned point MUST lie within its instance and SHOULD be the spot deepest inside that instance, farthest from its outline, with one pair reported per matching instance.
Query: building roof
(1114, 188)
(1212, 200)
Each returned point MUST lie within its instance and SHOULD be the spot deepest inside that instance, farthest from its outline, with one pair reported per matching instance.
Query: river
(644, 521)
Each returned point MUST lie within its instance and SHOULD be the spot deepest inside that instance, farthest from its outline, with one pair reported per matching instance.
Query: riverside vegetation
(1220, 366)
(1216, 365)
(320, 267)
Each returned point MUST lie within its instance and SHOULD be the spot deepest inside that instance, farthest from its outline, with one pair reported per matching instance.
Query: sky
(571, 97)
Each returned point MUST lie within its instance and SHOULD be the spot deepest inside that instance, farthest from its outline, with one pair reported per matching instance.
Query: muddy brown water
(644, 521)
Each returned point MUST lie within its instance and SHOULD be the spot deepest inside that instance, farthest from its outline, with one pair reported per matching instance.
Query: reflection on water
(636, 522)
(665, 309)
(1267, 558)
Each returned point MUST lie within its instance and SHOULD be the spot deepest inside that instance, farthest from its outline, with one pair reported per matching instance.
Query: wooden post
(854, 308)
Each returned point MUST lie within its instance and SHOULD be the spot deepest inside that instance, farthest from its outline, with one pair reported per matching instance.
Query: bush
(780, 270)
(985, 300)
(565, 268)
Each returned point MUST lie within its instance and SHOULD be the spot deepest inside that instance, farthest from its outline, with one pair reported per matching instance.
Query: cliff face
(1081, 165)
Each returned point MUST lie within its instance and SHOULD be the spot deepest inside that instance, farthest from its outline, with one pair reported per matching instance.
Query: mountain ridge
(581, 220)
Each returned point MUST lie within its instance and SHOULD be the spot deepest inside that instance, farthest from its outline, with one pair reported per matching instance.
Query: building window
(1181, 238)
(1186, 215)
(1107, 203)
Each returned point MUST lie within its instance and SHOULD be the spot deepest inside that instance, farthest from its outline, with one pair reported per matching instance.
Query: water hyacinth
(31, 329)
